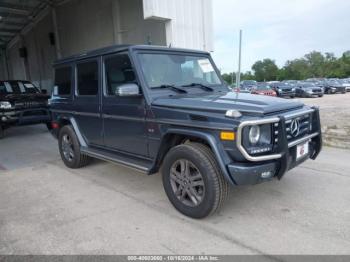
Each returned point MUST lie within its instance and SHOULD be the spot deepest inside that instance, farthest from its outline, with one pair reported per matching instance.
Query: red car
(263, 89)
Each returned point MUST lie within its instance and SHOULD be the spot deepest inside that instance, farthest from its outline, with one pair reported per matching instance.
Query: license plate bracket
(302, 150)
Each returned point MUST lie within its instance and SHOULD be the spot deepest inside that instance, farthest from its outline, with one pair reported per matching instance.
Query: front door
(87, 101)
(123, 116)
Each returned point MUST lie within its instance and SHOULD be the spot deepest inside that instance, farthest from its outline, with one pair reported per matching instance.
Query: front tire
(70, 149)
(193, 181)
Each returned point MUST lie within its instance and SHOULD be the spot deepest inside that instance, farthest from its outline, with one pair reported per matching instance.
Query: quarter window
(63, 80)
(118, 71)
(88, 78)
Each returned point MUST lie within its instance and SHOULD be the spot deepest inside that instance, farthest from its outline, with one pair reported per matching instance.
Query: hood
(221, 102)
(310, 88)
(23, 97)
(285, 87)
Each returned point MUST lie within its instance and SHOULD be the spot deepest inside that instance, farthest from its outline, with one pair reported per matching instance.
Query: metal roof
(16, 14)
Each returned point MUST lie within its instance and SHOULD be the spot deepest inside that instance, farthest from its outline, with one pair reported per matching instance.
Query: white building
(34, 33)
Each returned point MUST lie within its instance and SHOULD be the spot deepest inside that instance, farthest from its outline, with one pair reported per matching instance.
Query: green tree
(265, 70)
(296, 69)
(228, 78)
(316, 62)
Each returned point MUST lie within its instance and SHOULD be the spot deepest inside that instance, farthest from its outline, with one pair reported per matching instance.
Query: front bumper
(313, 94)
(255, 172)
(25, 116)
(286, 94)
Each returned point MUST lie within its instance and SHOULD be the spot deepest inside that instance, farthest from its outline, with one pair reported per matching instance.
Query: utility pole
(238, 76)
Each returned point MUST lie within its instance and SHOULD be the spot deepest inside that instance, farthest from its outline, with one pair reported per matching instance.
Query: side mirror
(128, 90)
(44, 91)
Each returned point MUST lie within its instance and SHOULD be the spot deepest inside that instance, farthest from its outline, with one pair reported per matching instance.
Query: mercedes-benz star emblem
(295, 127)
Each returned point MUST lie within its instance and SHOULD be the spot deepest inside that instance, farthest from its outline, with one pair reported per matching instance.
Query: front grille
(316, 90)
(298, 127)
(29, 104)
(286, 90)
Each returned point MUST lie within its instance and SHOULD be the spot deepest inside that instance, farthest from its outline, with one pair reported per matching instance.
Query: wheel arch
(70, 120)
(174, 137)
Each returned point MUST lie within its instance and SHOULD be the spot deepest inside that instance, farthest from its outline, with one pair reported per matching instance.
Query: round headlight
(254, 135)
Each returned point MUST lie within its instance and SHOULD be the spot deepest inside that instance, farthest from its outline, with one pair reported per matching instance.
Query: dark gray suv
(165, 109)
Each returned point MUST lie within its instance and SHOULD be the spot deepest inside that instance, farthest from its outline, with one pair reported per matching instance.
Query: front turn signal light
(228, 136)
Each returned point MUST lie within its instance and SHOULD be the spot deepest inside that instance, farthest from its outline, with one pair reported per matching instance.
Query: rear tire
(70, 149)
(193, 181)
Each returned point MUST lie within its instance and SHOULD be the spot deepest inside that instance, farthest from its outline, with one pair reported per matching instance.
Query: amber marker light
(227, 136)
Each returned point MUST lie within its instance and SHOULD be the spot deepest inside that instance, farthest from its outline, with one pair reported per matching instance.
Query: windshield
(249, 82)
(178, 70)
(15, 87)
(263, 87)
(307, 85)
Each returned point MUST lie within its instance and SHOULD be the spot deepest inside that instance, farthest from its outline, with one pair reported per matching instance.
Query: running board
(140, 165)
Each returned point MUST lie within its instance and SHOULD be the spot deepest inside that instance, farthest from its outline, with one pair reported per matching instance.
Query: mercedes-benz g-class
(165, 109)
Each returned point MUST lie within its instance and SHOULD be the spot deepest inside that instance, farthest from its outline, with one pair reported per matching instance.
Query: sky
(278, 29)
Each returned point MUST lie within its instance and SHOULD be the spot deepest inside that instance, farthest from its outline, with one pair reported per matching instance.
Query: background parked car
(248, 85)
(332, 86)
(283, 89)
(264, 89)
(346, 84)
(308, 89)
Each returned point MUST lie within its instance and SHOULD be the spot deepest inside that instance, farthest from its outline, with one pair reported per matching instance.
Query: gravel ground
(335, 116)
(46, 208)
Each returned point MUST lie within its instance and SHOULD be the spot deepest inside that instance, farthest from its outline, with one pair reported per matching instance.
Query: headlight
(257, 139)
(293, 89)
(5, 105)
(254, 135)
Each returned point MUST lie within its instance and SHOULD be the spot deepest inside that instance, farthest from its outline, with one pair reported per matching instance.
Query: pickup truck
(22, 103)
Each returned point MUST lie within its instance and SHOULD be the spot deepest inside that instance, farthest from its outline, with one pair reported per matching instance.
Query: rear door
(87, 100)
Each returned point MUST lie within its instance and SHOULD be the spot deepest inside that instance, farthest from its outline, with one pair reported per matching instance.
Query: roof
(16, 14)
(119, 48)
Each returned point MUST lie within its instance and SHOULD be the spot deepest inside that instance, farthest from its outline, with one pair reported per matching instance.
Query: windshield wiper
(172, 87)
(204, 87)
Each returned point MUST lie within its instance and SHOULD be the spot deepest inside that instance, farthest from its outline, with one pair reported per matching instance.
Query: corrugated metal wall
(189, 24)
(88, 24)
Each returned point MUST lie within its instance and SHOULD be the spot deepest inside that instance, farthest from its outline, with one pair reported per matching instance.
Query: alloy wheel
(67, 148)
(187, 183)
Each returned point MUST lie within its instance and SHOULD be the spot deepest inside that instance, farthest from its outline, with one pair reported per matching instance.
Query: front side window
(118, 72)
(87, 78)
(178, 70)
(63, 80)
(3, 89)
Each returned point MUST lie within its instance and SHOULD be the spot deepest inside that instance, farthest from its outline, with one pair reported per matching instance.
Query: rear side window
(63, 80)
(87, 78)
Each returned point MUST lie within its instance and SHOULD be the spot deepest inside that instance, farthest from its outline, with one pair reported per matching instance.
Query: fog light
(4, 119)
(267, 174)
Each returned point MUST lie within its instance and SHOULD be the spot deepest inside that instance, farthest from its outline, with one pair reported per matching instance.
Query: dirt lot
(46, 208)
(335, 115)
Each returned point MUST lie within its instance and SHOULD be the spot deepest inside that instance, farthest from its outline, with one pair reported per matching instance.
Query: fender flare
(209, 138)
(76, 129)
